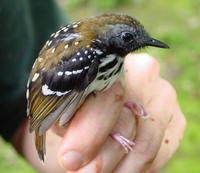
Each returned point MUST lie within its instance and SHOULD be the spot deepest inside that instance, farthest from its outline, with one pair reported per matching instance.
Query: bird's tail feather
(40, 144)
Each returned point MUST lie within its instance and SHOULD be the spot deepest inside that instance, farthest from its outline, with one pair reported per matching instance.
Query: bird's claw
(136, 109)
(124, 142)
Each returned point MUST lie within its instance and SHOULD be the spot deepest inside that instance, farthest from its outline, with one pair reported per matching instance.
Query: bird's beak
(155, 43)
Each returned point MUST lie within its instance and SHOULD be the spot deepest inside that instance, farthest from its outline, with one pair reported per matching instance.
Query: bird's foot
(136, 109)
(124, 142)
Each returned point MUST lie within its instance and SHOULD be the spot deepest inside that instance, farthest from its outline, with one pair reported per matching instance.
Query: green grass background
(177, 22)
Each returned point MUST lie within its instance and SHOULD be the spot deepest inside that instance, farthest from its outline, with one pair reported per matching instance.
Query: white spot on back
(77, 71)
(99, 52)
(53, 50)
(89, 56)
(27, 85)
(52, 35)
(36, 75)
(86, 67)
(74, 72)
(49, 43)
(78, 53)
(27, 93)
(56, 35)
(68, 73)
(74, 59)
(66, 46)
(81, 58)
(86, 52)
(75, 26)
(60, 73)
(34, 64)
(76, 43)
(40, 59)
(71, 37)
(98, 40)
(66, 29)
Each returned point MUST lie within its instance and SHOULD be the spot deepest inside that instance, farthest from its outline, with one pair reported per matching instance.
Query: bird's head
(121, 34)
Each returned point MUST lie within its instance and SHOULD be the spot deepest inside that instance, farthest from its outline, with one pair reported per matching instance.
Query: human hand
(156, 138)
(88, 144)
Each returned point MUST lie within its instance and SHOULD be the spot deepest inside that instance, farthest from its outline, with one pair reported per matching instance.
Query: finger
(171, 140)
(154, 93)
(141, 72)
(150, 133)
(90, 128)
(144, 85)
(111, 152)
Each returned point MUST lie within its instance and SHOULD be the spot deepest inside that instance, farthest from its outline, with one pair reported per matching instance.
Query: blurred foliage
(10, 162)
(178, 24)
(99, 4)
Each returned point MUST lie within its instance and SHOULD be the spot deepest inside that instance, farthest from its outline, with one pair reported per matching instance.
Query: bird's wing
(65, 67)
(52, 91)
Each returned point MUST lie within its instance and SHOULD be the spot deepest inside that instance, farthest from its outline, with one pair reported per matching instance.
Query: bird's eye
(127, 37)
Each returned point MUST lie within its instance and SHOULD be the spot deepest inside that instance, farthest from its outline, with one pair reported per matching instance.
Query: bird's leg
(124, 142)
(136, 109)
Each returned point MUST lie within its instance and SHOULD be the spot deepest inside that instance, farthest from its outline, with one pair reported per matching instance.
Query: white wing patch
(46, 91)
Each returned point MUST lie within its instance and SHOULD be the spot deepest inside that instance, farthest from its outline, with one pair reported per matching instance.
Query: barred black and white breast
(79, 59)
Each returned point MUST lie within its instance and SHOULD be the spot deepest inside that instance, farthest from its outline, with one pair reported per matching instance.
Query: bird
(80, 59)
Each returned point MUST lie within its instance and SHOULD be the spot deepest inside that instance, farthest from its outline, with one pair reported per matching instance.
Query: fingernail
(72, 160)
